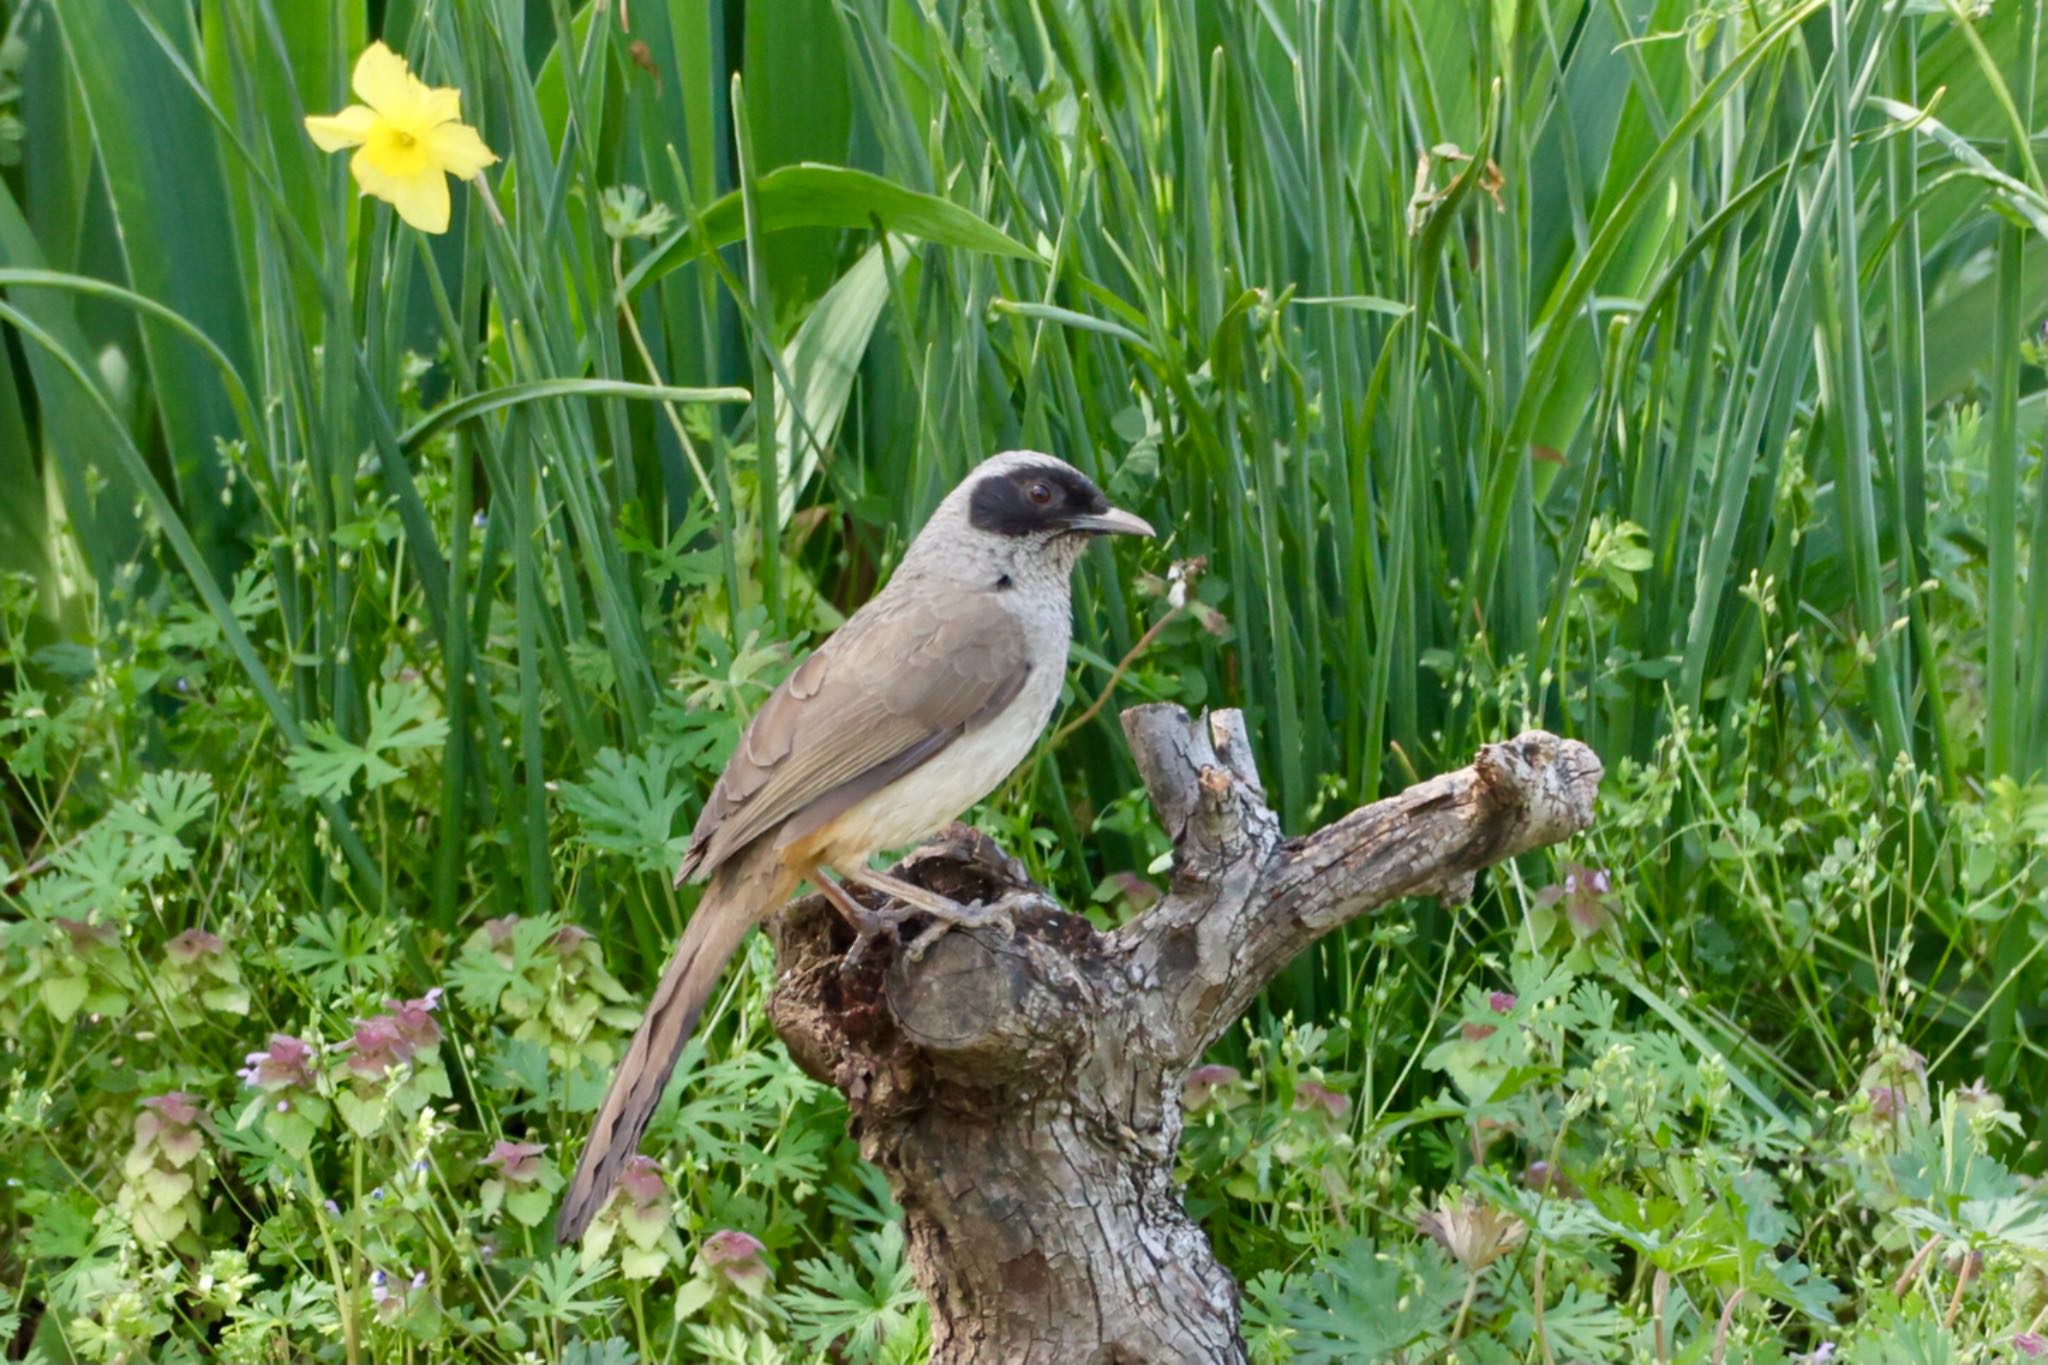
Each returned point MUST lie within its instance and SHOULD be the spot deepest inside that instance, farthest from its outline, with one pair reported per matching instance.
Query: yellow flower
(408, 137)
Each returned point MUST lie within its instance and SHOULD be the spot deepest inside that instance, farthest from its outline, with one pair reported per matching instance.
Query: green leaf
(364, 1117)
(404, 722)
(627, 805)
(62, 995)
(532, 391)
(167, 803)
(821, 361)
(337, 948)
(157, 146)
(529, 1205)
(834, 1304)
(811, 195)
(1067, 317)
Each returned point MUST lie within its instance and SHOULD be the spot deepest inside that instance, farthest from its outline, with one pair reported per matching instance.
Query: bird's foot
(907, 900)
(975, 915)
(869, 926)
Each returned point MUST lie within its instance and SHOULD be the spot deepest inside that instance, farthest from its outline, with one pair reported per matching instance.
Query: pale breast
(919, 805)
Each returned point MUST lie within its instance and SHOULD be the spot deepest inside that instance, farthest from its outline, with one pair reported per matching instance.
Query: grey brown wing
(894, 686)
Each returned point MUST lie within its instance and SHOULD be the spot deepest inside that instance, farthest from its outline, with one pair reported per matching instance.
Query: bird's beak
(1114, 522)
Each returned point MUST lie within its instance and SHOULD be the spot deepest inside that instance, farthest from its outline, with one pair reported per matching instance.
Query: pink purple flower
(176, 1107)
(288, 1061)
(1310, 1095)
(1201, 1084)
(641, 1182)
(1583, 891)
(192, 945)
(517, 1162)
(387, 1040)
(737, 1256)
(415, 1018)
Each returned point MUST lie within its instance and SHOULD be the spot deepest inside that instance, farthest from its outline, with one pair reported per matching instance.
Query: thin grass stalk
(767, 472)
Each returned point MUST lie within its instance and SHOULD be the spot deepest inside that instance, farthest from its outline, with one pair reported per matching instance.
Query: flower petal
(459, 150)
(349, 128)
(421, 199)
(440, 104)
(382, 81)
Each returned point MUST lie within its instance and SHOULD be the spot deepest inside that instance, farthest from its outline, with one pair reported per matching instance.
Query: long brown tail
(739, 896)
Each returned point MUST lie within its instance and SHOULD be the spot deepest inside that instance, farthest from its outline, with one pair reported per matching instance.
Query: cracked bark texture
(1022, 1091)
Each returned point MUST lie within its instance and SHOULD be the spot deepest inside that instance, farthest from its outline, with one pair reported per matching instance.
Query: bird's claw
(974, 915)
(869, 925)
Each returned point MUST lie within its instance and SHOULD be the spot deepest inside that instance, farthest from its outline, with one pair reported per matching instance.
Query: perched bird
(908, 714)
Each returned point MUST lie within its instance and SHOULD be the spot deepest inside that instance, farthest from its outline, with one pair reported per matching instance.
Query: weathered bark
(1022, 1092)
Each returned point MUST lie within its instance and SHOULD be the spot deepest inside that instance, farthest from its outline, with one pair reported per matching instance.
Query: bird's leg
(867, 924)
(947, 913)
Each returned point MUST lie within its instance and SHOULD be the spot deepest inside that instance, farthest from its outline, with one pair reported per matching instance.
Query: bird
(916, 708)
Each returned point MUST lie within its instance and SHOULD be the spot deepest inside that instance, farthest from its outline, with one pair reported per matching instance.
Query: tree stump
(1022, 1092)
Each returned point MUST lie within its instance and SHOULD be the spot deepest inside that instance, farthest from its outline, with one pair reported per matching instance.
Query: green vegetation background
(378, 607)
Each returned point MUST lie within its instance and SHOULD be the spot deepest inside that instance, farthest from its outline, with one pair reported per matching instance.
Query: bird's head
(1022, 494)
(1020, 512)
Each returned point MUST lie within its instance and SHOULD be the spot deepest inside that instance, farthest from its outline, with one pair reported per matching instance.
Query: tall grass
(1666, 375)
(1384, 311)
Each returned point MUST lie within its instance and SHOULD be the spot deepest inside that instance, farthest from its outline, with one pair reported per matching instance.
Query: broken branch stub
(1022, 1092)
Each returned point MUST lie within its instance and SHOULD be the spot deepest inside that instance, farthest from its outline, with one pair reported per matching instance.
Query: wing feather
(904, 677)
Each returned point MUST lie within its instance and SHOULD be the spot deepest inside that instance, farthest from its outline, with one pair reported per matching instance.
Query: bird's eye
(1039, 494)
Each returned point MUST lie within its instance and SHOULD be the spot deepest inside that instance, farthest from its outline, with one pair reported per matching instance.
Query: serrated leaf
(627, 805)
(404, 722)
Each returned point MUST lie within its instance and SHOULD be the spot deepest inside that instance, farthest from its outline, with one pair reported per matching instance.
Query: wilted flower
(84, 936)
(1204, 1083)
(499, 930)
(1475, 1234)
(1311, 1095)
(737, 1256)
(1583, 893)
(409, 137)
(625, 213)
(198, 973)
(567, 939)
(192, 945)
(2030, 1345)
(1501, 1002)
(1545, 1178)
(1977, 1097)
